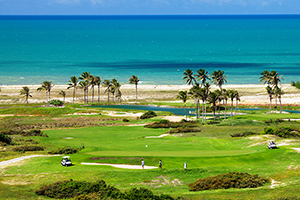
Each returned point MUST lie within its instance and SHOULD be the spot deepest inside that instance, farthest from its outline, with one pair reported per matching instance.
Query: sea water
(158, 49)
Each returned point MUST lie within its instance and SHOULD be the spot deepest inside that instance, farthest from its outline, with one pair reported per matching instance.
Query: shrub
(34, 132)
(184, 130)
(56, 102)
(82, 190)
(65, 150)
(296, 84)
(247, 133)
(11, 132)
(28, 148)
(284, 132)
(125, 120)
(148, 114)
(168, 124)
(5, 139)
(228, 180)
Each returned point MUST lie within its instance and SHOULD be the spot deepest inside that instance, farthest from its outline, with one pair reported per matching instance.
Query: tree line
(86, 82)
(200, 90)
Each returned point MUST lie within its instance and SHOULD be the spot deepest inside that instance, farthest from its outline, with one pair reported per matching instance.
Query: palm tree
(204, 95)
(202, 76)
(46, 86)
(265, 77)
(134, 80)
(213, 98)
(220, 97)
(106, 83)
(195, 92)
(188, 77)
(119, 96)
(63, 93)
(232, 95)
(26, 92)
(86, 76)
(115, 86)
(92, 83)
(270, 92)
(237, 99)
(225, 95)
(183, 95)
(84, 86)
(279, 92)
(73, 84)
(98, 83)
(219, 78)
(275, 79)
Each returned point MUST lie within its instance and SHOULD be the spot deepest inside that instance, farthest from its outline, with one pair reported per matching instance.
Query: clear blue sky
(147, 7)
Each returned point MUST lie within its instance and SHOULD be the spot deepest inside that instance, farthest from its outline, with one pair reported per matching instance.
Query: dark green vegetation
(149, 114)
(296, 84)
(208, 153)
(228, 180)
(95, 190)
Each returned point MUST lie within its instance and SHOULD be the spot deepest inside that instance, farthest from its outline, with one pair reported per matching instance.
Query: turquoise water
(156, 48)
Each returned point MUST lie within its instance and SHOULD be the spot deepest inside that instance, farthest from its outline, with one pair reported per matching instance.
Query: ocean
(158, 49)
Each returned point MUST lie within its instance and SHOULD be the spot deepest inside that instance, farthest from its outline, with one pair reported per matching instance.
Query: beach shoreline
(251, 94)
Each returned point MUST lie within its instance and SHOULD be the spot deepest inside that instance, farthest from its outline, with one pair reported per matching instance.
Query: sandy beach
(251, 94)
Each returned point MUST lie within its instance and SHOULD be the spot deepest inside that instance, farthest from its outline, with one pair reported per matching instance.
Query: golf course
(102, 139)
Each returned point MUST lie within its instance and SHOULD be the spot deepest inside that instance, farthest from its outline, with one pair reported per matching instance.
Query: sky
(147, 7)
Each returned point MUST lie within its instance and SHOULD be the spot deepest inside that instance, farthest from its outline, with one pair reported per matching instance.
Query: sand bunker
(160, 136)
(122, 166)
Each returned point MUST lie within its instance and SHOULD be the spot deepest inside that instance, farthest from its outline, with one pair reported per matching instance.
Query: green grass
(210, 152)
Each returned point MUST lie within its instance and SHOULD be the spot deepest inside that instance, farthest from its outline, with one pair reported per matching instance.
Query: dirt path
(7, 162)
(122, 166)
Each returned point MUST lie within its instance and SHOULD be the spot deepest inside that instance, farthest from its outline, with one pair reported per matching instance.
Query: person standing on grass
(143, 163)
(184, 166)
(160, 164)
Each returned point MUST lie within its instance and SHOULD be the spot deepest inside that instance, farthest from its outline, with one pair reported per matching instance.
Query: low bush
(284, 132)
(34, 132)
(228, 180)
(244, 134)
(5, 139)
(28, 148)
(125, 120)
(65, 150)
(56, 102)
(168, 124)
(184, 130)
(273, 121)
(148, 114)
(82, 190)
(11, 132)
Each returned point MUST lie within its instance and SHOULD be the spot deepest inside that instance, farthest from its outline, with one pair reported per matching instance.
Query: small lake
(178, 111)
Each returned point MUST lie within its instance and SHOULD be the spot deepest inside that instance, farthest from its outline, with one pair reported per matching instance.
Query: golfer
(184, 166)
(160, 164)
(143, 163)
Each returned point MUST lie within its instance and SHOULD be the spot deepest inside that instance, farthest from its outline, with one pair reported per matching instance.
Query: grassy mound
(228, 180)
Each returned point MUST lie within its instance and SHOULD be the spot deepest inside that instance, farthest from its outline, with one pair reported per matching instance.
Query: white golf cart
(66, 161)
(271, 144)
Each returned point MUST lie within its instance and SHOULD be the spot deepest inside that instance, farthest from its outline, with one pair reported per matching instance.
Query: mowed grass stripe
(212, 153)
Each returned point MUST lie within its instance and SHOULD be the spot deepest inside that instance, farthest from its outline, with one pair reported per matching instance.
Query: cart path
(123, 166)
(22, 158)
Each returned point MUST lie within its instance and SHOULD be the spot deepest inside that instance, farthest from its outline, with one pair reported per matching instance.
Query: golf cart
(272, 145)
(66, 161)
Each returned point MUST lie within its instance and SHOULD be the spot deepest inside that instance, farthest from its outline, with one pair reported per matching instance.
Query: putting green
(207, 153)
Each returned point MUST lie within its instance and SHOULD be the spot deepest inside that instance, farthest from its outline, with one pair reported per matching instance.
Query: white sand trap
(160, 136)
(174, 118)
(122, 166)
(297, 149)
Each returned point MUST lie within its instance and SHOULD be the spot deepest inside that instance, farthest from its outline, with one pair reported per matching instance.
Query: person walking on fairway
(160, 164)
(143, 163)
(184, 166)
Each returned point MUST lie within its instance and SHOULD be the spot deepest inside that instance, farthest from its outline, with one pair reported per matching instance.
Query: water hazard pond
(176, 111)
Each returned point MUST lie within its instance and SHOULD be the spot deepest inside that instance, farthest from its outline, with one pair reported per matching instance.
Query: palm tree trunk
(231, 108)
(185, 111)
(214, 111)
(219, 109)
(26, 100)
(107, 96)
(203, 111)
(98, 93)
(270, 104)
(135, 93)
(280, 103)
(225, 110)
(236, 104)
(197, 108)
(87, 95)
(93, 93)
(73, 95)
